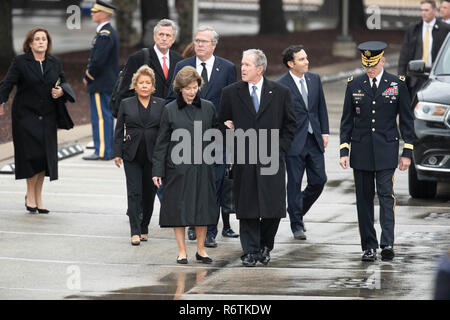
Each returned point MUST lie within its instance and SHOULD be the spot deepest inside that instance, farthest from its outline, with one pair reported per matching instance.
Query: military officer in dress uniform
(100, 77)
(369, 133)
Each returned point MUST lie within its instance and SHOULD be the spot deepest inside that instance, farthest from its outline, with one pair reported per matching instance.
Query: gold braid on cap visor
(371, 62)
(99, 7)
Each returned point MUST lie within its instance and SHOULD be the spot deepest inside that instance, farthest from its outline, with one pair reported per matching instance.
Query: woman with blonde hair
(134, 139)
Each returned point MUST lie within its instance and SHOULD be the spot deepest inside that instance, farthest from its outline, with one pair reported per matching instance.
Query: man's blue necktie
(255, 98)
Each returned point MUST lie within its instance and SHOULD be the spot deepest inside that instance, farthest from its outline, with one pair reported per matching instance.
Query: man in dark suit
(444, 11)
(369, 124)
(217, 73)
(311, 138)
(422, 42)
(160, 58)
(250, 105)
(100, 77)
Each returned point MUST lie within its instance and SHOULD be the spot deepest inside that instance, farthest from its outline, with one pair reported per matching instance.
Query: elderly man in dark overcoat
(256, 104)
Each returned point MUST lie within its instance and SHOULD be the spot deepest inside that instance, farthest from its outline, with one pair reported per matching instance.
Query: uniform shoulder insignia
(402, 78)
(350, 79)
(105, 32)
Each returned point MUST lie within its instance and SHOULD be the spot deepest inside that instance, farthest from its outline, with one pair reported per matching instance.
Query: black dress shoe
(106, 158)
(249, 260)
(91, 157)
(182, 261)
(265, 256)
(300, 235)
(43, 211)
(387, 254)
(369, 255)
(191, 234)
(229, 233)
(206, 260)
(210, 242)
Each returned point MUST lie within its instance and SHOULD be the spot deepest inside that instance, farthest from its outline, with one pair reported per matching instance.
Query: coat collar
(294, 88)
(157, 63)
(181, 103)
(266, 96)
(214, 75)
(49, 61)
(383, 85)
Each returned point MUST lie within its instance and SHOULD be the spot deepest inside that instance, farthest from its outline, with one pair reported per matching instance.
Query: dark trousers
(219, 173)
(255, 234)
(299, 202)
(102, 124)
(365, 193)
(141, 194)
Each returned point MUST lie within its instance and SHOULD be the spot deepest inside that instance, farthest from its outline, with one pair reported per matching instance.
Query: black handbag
(227, 201)
(64, 120)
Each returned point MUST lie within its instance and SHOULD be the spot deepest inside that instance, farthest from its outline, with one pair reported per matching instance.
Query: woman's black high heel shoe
(31, 209)
(43, 211)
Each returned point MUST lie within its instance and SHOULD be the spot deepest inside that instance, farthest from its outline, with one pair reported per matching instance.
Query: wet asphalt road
(81, 250)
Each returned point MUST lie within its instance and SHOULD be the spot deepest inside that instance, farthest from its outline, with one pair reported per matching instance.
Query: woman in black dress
(38, 76)
(134, 138)
(189, 194)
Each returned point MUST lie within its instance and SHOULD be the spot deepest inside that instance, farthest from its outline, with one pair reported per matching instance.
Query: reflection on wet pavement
(172, 287)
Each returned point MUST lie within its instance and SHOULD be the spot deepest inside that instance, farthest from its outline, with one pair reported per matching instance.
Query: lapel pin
(217, 69)
(309, 79)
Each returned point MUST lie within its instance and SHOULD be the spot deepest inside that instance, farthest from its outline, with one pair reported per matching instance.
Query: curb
(63, 153)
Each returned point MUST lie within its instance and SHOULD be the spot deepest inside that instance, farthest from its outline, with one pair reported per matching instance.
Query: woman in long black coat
(34, 113)
(189, 194)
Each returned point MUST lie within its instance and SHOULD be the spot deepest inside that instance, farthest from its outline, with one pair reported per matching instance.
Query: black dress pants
(141, 194)
(365, 193)
(255, 234)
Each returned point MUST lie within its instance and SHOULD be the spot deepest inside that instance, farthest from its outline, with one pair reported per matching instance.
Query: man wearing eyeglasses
(217, 73)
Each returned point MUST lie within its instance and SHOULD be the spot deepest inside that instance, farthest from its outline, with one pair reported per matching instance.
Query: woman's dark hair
(185, 77)
(30, 38)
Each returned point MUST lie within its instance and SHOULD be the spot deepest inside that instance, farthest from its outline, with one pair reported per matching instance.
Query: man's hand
(325, 141)
(404, 163)
(85, 82)
(344, 162)
(2, 109)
